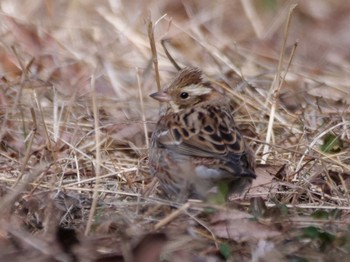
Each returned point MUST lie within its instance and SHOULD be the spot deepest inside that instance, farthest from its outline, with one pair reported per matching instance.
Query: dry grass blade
(154, 51)
(171, 59)
(142, 109)
(253, 17)
(172, 216)
(29, 148)
(98, 159)
(277, 84)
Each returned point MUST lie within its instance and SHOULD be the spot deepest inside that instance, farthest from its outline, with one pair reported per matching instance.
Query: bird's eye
(184, 95)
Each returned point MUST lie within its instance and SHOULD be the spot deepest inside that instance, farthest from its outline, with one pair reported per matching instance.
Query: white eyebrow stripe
(197, 89)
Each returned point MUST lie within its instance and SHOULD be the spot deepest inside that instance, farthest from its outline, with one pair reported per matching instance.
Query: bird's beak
(161, 96)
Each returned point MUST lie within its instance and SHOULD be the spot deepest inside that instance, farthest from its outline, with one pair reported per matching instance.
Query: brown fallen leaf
(240, 226)
(264, 184)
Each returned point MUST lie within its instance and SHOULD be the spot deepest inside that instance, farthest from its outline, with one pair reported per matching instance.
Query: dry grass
(76, 118)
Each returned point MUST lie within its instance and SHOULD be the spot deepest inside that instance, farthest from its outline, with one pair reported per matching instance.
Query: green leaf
(209, 210)
(311, 232)
(220, 197)
(224, 188)
(320, 214)
(225, 251)
(331, 144)
(269, 4)
(297, 259)
(326, 240)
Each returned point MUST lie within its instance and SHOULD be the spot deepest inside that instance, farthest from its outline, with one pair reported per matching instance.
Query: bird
(196, 145)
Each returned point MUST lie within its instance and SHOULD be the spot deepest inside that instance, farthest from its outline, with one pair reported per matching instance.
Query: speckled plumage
(196, 144)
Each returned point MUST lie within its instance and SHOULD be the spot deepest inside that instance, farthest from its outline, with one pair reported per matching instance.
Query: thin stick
(203, 224)
(253, 17)
(154, 51)
(276, 86)
(171, 59)
(48, 141)
(29, 148)
(172, 216)
(142, 108)
(98, 158)
(315, 140)
(327, 158)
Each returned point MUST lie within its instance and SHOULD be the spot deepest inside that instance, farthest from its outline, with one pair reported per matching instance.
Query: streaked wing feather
(210, 134)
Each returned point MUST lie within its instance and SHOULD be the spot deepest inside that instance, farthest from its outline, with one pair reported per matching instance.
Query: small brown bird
(196, 144)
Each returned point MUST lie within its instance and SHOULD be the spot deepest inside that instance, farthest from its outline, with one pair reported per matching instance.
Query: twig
(142, 108)
(253, 17)
(154, 51)
(48, 141)
(29, 148)
(171, 59)
(98, 158)
(316, 139)
(203, 224)
(276, 86)
(172, 216)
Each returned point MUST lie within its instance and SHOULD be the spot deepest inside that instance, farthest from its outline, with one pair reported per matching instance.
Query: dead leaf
(264, 184)
(240, 226)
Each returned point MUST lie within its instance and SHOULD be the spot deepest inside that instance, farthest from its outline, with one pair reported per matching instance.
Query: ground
(76, 118)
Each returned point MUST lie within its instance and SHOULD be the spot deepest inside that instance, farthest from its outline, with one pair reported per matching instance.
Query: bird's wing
(208, 131)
